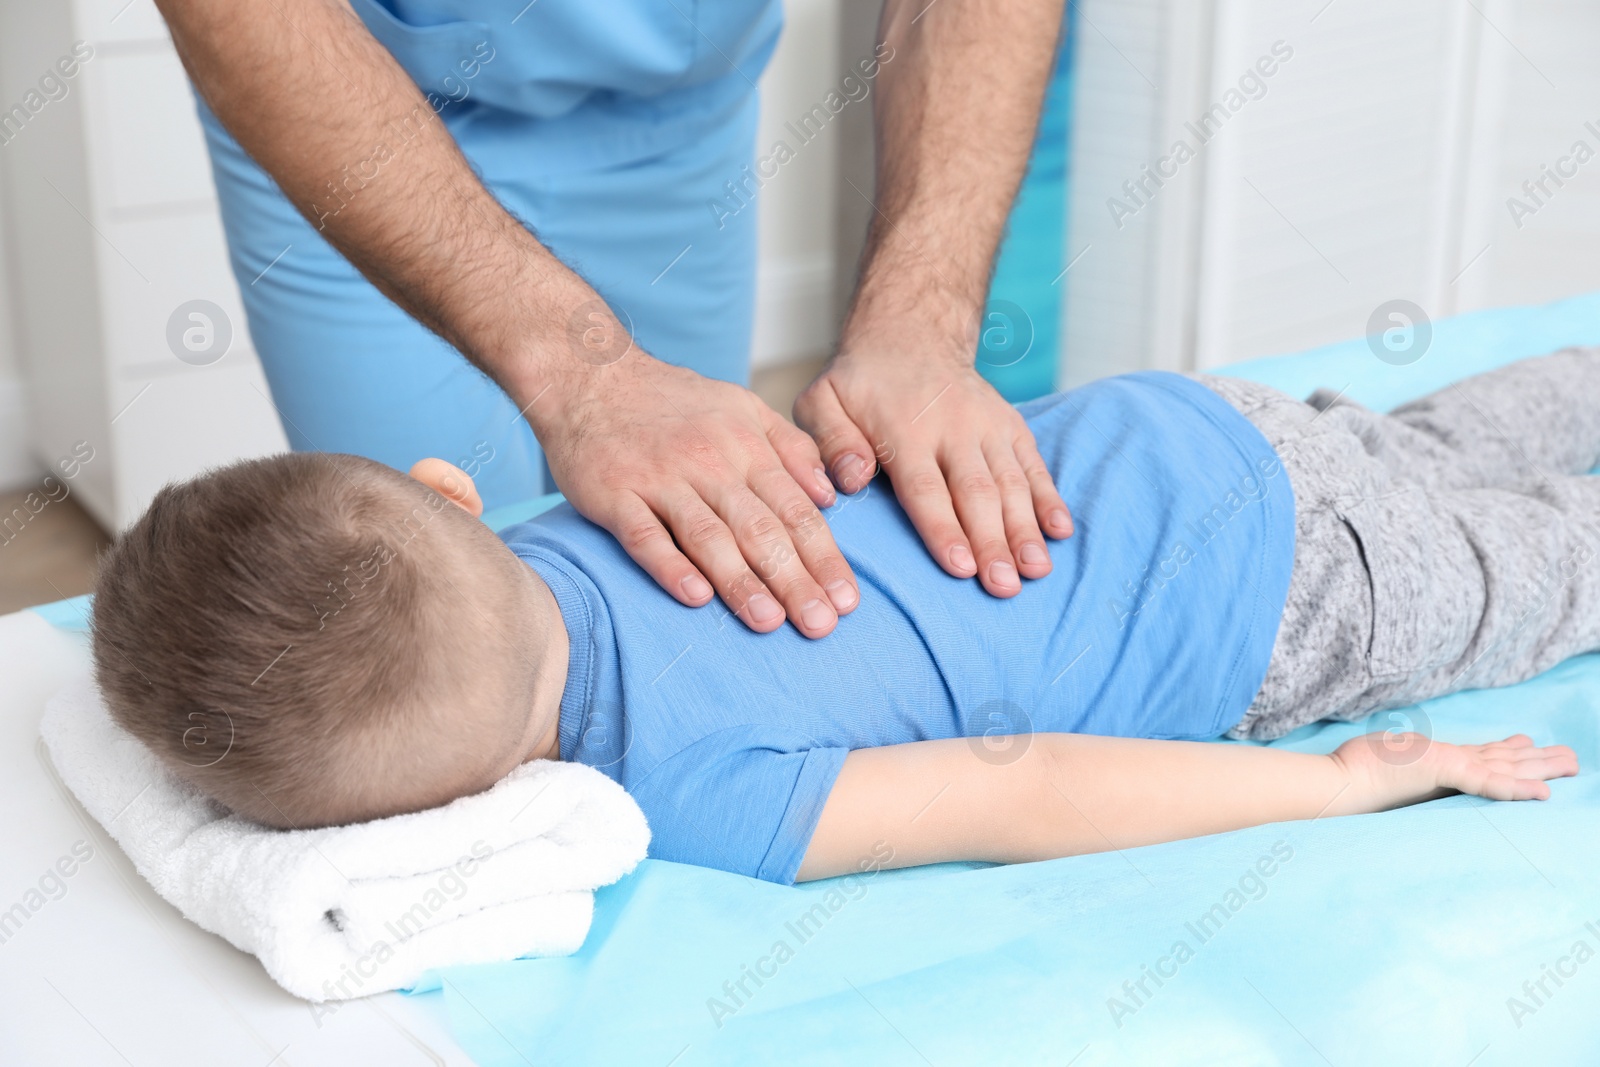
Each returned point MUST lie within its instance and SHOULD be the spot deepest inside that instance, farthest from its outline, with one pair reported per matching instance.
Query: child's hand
(1389, 770)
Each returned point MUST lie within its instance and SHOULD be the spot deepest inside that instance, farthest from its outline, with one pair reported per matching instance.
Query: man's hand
(699, 479)
(963, 462)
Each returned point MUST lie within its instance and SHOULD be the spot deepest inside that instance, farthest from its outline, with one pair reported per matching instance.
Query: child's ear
(450, 482)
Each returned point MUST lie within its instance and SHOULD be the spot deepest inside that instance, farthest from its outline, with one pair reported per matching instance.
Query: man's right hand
(702, 483)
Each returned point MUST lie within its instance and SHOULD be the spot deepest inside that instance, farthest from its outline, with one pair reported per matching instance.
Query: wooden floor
(51, 555)
(45, 555)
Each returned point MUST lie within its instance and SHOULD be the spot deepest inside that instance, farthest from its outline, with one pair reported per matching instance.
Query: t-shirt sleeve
(743, 799)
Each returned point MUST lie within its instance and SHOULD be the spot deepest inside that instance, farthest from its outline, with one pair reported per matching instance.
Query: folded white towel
(351, 910)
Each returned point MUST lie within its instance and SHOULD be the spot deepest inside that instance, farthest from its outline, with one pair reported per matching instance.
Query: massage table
(1458, 932)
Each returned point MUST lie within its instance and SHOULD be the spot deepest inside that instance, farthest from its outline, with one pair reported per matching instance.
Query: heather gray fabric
(1447, 545)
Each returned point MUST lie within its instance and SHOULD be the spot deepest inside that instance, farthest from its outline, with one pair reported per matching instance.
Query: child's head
(314, 639)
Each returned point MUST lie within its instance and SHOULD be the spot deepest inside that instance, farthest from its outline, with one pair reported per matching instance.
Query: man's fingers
(706, 539)
(846, 454)
(800, 458)
(719, 498)
(642, 535)
(920, 486)
(763, 539)
(977, 502)
(1051, 511)
(816, 552)
(817, 556)
(1017, 512)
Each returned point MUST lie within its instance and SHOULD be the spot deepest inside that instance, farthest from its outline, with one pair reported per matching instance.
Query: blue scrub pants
(351, 372)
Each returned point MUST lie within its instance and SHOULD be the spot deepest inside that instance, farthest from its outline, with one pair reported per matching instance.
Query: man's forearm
(356, 147)
(956, 114)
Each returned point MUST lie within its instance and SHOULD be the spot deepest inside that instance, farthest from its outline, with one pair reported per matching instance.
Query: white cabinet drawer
(173, 426)
(181, 257)
(118, 20)
(145, 122)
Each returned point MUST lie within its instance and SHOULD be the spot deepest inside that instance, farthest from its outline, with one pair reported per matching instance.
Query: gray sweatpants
(1450, 544)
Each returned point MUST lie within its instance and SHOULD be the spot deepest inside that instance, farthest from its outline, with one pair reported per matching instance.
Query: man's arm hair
(308, 92)
(956, 112)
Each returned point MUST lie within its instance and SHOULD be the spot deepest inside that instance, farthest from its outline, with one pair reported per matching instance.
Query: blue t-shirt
(1157, 621)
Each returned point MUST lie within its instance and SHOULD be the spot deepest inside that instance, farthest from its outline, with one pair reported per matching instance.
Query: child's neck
(551, 682)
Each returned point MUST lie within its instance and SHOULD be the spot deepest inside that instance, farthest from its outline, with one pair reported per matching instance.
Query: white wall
(1125, 75)
(795, 275)
(1338, 190)
(16, 466)
(1540, 86)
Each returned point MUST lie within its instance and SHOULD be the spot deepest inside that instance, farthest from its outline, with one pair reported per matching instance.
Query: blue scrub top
(607, 83)
(1157, 621)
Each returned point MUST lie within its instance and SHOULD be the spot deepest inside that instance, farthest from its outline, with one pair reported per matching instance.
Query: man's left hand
(963, 462)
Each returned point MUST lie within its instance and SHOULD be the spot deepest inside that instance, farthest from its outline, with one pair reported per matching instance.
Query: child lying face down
(316, 639)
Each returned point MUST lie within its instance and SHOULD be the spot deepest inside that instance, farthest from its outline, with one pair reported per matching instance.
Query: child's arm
(1068, 794)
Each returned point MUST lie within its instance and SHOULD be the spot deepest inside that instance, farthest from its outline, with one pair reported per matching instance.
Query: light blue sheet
(71, 614)
(1385, 939)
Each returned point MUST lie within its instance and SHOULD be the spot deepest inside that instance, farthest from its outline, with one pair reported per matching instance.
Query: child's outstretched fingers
(1512, 743)
(1513, 769)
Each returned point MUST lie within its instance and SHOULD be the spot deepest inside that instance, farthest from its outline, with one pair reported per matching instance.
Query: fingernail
(1034, 554)
(695, 587)
(848, 471)
(826, 487)
(763, 609)
(1003, 574)
(1060, 521)
(815, 615)
(961, 558)
(843, 595)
